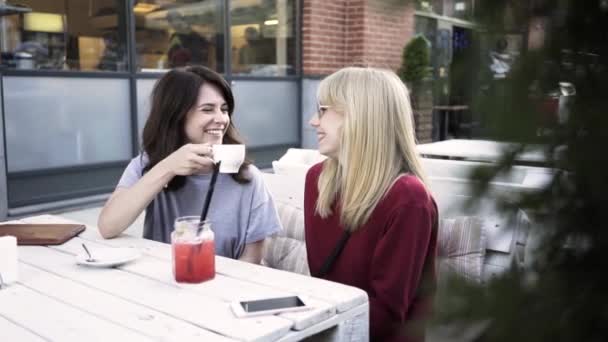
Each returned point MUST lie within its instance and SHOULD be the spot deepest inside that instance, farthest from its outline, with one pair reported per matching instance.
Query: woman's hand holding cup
(191, 159)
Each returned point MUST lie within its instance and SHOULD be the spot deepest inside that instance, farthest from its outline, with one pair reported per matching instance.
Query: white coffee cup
(231, 156)
(8, 259)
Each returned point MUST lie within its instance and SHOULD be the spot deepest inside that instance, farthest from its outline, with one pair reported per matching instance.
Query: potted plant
(415, 72)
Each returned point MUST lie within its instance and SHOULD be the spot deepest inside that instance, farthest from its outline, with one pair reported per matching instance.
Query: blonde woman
(370, 220)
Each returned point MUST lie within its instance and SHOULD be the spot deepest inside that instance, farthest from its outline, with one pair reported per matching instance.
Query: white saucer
(108, 256)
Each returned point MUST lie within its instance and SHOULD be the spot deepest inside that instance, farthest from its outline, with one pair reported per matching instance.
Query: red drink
(194, 262)
(193, 251)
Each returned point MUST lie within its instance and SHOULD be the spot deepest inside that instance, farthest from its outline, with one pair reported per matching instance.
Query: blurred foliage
(562, 295)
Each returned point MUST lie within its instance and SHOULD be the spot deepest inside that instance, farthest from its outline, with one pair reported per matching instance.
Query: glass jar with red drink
(193, 250)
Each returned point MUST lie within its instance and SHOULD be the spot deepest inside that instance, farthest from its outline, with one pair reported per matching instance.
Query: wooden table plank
(13, 332)
(344, 297)
(211, 314)
(221, 287)
(58, 321)
(139, 318)
(341, 296)
(338, 295)
(322, 326)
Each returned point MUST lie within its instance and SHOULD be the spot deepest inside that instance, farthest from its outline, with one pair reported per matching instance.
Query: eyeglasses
(321, 109)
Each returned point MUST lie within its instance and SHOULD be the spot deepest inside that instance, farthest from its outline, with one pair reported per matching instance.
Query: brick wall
(355, 33)
(423, 112)
(388, 27)
(339, 33)
(323, 36)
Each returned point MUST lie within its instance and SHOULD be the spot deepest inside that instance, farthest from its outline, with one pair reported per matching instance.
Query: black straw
(216, 170)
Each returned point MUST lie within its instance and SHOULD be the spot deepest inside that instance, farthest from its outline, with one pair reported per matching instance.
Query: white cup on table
(8, 260)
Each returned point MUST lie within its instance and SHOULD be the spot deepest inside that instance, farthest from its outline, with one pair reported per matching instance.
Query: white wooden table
(480, 150)
(57, 300)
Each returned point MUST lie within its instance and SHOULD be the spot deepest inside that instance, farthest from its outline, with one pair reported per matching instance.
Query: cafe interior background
(76, 75)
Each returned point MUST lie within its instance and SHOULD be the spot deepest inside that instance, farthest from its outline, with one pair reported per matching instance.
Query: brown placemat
(41, 234)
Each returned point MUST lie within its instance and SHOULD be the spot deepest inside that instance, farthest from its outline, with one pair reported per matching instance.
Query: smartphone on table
(269, 306)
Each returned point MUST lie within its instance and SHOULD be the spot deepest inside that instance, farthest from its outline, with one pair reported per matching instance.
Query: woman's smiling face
(208, 120)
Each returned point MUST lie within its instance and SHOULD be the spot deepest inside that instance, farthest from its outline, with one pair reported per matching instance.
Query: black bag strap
(334, 255)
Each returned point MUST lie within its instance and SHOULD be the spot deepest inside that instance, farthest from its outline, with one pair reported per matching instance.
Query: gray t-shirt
(239, 213)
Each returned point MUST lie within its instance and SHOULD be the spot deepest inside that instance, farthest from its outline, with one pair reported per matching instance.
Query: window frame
(131, 53)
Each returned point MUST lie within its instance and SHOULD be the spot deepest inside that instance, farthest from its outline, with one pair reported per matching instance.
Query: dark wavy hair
(172, 98)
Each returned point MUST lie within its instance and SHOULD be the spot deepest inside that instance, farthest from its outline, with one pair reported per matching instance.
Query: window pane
(432, 6)
(257, 105)
(263, 37)
(461, 9)
(65, 35)
(69, 121)
(173, 33)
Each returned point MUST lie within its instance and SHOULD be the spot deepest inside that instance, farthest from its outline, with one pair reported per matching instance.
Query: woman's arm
(125, 204)
(253, 252)
(398, 265)
(263, 219)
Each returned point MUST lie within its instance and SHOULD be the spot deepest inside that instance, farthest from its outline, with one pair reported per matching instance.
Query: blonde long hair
(377, 142)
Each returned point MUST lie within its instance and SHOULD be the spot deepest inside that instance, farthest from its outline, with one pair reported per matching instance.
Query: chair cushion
(292, 219)
(462, 247)
(287, 249)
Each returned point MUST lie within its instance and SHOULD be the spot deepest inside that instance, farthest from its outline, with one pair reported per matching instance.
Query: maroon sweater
(391, 257)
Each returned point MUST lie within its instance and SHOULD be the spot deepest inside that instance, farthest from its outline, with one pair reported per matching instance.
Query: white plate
(108, 256)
